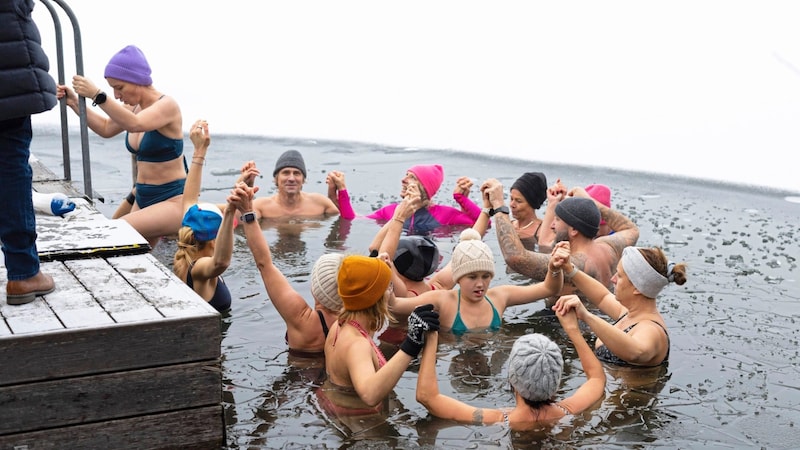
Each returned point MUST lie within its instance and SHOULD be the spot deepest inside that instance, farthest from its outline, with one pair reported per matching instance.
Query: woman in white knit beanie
(473, 305)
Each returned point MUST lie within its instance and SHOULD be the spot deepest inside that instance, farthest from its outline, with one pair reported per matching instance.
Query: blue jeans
(17, 219)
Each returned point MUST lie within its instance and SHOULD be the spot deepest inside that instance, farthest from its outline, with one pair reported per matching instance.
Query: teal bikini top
(458, 324)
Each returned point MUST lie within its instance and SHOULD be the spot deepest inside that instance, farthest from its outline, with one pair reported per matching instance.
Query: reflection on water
(734, 364)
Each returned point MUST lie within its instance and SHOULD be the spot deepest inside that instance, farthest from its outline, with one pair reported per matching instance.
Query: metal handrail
(87, 169)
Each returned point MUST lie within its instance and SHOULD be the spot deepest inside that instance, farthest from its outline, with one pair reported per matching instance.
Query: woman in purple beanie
(153, 125)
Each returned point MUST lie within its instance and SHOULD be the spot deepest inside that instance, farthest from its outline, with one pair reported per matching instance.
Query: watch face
(249, 217)
(100, 99)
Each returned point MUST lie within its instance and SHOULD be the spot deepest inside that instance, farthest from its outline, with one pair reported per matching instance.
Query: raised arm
(201, 139)
(441, 405)
(552, 284)
(461, 196)
(547, 236)
(517, 257)
(337, 193)
(388, 236)
(289, 303)
(593, 388)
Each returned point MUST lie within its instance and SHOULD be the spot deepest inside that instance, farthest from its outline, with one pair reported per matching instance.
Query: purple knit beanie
(129, 64)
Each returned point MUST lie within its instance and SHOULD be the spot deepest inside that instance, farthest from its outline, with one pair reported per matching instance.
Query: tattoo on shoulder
(477, 416)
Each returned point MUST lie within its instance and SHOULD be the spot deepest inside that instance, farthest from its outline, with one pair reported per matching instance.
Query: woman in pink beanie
(432, 216)
(153, 125)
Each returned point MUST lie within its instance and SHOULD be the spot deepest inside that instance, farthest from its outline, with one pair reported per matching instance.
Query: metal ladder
(87, 170)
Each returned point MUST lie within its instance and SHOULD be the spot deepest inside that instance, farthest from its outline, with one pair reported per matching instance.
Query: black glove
(423, 319)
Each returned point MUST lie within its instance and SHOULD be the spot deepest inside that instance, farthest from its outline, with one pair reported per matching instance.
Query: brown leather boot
(19, 292)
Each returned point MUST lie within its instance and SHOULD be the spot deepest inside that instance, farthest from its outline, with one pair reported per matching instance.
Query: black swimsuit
(605, 355)
(221, 301)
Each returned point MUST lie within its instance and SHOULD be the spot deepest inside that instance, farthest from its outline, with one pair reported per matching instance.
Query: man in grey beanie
(290, 201)
(573, 216)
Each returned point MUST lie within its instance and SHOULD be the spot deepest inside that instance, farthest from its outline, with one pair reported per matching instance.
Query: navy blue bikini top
(155, 147)
(221, 301)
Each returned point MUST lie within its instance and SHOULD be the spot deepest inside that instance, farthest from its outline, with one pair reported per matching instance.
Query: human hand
(556, 193)
(492, 193)
(249, 173)
(421, 320)
(335, 180)
(569, 303)
(62, 91)
(579, 192)
(463, 186)
(199, 135)
(241, 197)
(559, 256)
(411, 202)
(568, 319)
(84, 87)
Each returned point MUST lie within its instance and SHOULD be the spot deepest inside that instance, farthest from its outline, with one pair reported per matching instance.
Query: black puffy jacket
(26, 87)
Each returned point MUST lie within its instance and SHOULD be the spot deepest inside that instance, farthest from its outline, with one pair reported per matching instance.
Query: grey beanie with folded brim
(581, 214)
(535, 366)
(290, 158)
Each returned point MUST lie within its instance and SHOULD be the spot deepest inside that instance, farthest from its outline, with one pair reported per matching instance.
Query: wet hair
(658, 260)
(378, 314)
(188, 247)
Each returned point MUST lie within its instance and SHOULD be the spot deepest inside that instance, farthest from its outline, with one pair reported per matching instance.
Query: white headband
(644, 278)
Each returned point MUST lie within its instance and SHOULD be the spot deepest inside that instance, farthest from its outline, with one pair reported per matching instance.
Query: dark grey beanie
(581, 214)
(532, 186)
(416, 257)
(290, 158)
(534, 367)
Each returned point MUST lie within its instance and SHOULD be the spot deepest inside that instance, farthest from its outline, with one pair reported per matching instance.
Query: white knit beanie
(471, 255)
(534, 367)
(324, 286)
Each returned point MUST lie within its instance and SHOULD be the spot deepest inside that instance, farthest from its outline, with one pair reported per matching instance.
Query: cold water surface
(732, 380)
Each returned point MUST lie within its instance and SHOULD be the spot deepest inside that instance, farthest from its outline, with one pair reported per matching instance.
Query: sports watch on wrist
(503, 209)
(99, 99)
(248, 217)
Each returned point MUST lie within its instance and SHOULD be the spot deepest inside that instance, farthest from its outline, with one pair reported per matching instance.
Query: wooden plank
(84, 233)
(86, 351)
(34, 317)
(161, 287)
(72, 401)
(112, 291)
(199, 428)
(71, 302)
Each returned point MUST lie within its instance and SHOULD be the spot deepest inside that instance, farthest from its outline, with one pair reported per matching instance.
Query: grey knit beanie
(471, 255)
(324, 284)
(290, 158)
(534, 367)
(581, 214)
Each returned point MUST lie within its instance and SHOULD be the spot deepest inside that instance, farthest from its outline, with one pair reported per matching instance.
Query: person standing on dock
(26, 88)
(153, 124)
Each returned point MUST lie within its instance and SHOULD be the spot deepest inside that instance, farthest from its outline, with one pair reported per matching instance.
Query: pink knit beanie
(601, 193)
(430, 175)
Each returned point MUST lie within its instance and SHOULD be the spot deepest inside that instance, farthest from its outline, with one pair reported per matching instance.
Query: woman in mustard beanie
(474, 305)
(153, 127)
(360, 378)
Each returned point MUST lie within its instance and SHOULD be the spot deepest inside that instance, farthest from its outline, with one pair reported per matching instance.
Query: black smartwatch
(99, 99)
(503, 209)
(248, 217)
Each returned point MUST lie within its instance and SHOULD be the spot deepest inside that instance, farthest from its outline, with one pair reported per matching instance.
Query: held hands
(567, 304)
(241, 197)
(421, 320)
(249, 173)
(568, 319)
(492, 193)
(559, 256)
(335, 180)
(463, 186)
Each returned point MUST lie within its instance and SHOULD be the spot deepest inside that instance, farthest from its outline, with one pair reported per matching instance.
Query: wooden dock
(121, 355)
